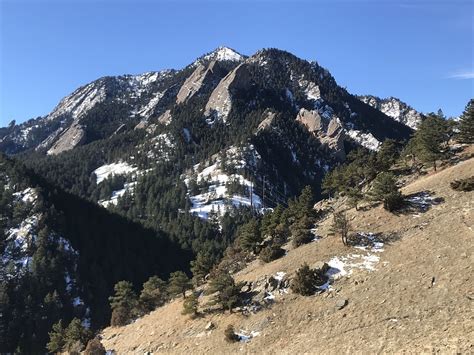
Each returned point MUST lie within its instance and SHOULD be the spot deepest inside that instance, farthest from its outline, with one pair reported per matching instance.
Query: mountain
(136, 176)
(391, 292)
(60, 257)
(284, 118)
(395, 108)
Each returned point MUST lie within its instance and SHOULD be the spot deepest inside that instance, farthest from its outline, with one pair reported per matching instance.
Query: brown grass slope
(419, 298)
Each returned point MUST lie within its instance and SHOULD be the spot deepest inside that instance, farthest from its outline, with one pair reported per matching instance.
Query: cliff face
(395, 108)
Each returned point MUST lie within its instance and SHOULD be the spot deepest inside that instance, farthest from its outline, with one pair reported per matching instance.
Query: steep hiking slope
(412, 290)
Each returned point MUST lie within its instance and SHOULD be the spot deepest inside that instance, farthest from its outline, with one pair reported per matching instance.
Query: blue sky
(419, 50)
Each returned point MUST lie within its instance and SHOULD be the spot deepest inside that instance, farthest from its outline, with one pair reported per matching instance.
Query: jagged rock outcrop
(329, 132)
(201, 76)
(395, 108)
(220, 102)
(71, 137)
(269, 117)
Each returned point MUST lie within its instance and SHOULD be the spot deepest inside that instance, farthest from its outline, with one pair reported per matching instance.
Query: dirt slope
(418, 299)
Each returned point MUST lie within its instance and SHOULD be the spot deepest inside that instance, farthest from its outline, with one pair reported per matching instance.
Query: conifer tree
(201, 266)
(124, 300)
(179, 283)
(249, 236)
(341, 226)
(191, 304)
(466, 124)
(429, 139)
(76, 336)
(301, 231)
(307, 280)
(387, 154)
(385, 189)
(153, 294)
(57, 338)
(226, 290)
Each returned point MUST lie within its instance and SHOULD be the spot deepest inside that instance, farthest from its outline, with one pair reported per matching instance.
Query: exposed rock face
(266, 122)
(312, 120)
(165, 118)
(68, 140)
(329, 132)
(198, 78)
(394, 108)
(220, 102)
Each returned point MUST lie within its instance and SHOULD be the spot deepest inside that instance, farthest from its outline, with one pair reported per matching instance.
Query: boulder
(340, 304)
(210, 326)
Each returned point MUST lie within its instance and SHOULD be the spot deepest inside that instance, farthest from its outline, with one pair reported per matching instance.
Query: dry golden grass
(395, 309)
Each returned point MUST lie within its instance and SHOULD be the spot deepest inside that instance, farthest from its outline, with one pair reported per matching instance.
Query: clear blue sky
(418, 50)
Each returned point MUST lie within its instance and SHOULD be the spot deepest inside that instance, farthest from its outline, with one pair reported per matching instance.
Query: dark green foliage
(465, 185)
(387, 154)
(307, 280)
(57, 338)
(190, 305)
(466, 124)
(341, 226)
(385, 189)
(178, 284)
(249, 236)
(201, 266)
(153, 295)
(120, 317)
(73, 338)
(227, 292)
(349, 178)
(229, 334)
(124, 299)
(301, 232)
(431, 138)
(271, 252)
(76, 336)
(354, 196)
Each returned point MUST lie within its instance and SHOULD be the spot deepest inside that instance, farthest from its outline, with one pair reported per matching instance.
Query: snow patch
(105, 171)
(366, 140)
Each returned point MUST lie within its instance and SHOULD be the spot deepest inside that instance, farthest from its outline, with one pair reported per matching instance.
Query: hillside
(60, 257)
(412, 293)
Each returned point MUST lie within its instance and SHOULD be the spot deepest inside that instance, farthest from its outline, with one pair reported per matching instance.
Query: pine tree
(249, 236)
(57, 339)
(124, 300)
(466, 124)
(354, 196)
(191, 304)
(179, 283)
(341, 226)
(307, 280)
(153, 294)
(226, 290)
(385, 189)
(432, 133)
(201, 266)
(387, 154)
(301, 232)
(76, 336)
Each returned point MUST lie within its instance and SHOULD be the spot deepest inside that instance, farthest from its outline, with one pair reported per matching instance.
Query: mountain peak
(224, 53)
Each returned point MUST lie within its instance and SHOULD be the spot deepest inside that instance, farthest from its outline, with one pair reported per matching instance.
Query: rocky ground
(413, 291)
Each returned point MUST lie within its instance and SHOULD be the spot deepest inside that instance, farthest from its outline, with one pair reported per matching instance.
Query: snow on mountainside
(220, 186)
(223, 53)
(394, 108)
(22, 239)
